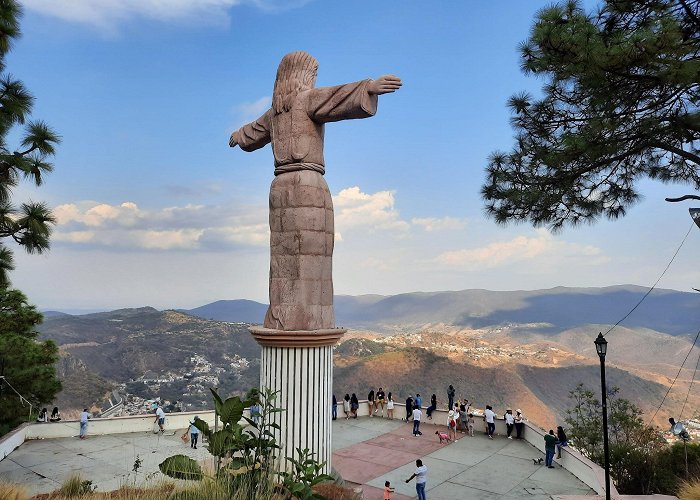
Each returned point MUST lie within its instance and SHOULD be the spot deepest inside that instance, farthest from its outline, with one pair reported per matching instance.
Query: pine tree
(620, 104)
(27, 367)
(30, 224)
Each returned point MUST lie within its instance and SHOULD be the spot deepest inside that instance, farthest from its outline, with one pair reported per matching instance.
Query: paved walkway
(472, 467)
(367, 452)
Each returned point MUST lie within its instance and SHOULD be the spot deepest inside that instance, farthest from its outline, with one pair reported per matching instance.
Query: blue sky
(156, 209)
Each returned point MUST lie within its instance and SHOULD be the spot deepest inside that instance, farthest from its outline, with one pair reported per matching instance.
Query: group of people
(44, 415)
(553, 444)
(376, 401)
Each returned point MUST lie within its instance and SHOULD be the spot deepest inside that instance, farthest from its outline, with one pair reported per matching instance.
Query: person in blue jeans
(194, 433)
(417, 414)
(421, 475)
(550, 441)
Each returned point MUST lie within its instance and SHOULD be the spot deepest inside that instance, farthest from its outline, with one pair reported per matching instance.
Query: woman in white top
(390, 407)
(510, 420)
(519, 419)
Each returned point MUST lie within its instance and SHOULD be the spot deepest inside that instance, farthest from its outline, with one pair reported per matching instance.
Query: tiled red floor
(368, 451)
(362, 462)
(359, 471)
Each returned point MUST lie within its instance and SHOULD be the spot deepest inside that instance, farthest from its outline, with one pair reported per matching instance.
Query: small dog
(444, 438)
(537, 461)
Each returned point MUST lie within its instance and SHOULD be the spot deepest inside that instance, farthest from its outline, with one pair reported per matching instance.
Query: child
(470, 424)
(388, 490)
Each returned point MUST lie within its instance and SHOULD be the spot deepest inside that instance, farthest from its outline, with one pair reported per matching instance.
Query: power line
(680, 417)
(676, 378)
(656, 283)
(22, 399)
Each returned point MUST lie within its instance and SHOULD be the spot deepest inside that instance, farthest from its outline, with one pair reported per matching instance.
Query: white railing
(99, 427)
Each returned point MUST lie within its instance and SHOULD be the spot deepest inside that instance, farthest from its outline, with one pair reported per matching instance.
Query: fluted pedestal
(298, 365)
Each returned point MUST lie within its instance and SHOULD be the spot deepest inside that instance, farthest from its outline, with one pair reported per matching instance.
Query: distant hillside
(553, 310)
(243, 311)
(542, 393)
(159, 353)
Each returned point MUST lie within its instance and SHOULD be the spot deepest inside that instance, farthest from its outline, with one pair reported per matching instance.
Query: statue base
(298, 366)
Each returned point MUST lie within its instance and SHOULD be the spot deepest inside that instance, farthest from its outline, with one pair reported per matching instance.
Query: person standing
(510, 421)
(160, 418)
(84, 416)
(388, 490)
(432, 407)
(489, 416)
(463, 419)
(346, 406)
(409, 408)
(452, 426)
(379, 401)
(450, 397)
(419, 401)
(390, 407)
(550, 441)
(519, 424)
(370, 402)
(334, 409)
(421, 475)
(470, 425)
(194, 433)
(417, 414)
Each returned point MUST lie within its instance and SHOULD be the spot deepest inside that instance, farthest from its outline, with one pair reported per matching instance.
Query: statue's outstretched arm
(384, 85)
(253, 135)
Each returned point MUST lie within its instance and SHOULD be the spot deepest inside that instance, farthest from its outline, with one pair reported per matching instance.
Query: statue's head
(296, 72)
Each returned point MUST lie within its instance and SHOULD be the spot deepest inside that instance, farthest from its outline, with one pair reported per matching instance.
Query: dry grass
(9, 491)
(74, 488)
(689, 491)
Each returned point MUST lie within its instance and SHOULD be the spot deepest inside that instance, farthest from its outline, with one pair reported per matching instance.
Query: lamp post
(601, 347)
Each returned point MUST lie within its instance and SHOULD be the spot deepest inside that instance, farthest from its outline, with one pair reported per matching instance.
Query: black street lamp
(601, 347)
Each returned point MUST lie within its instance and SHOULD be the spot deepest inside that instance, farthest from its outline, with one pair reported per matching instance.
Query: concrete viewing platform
(366, 452)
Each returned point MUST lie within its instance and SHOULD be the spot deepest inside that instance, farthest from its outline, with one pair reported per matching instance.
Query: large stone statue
(299, 331)
(301, 210)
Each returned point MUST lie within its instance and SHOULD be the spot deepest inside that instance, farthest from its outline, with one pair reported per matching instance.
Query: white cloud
(107, 14)
(252, 110)
(519, 249)
(354, 209)
(190, 227)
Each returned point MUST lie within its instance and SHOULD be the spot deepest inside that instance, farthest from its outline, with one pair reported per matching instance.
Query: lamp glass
(601, 346)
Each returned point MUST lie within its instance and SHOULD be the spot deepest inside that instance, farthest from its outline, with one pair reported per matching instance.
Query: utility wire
(22, 399)
(676, 378)
(656, 283)
(680, 417)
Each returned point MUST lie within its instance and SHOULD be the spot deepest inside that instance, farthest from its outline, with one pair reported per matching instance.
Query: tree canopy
(619, 104)
(28, 366)
(29, 224)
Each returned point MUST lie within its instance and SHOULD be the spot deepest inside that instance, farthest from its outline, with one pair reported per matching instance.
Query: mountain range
(552, 310)
(522, 348)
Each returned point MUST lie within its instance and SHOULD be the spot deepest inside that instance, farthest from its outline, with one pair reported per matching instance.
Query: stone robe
(301, 209)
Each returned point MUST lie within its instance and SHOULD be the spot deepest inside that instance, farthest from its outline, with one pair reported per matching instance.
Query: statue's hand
(232, 141)
(384, 85)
